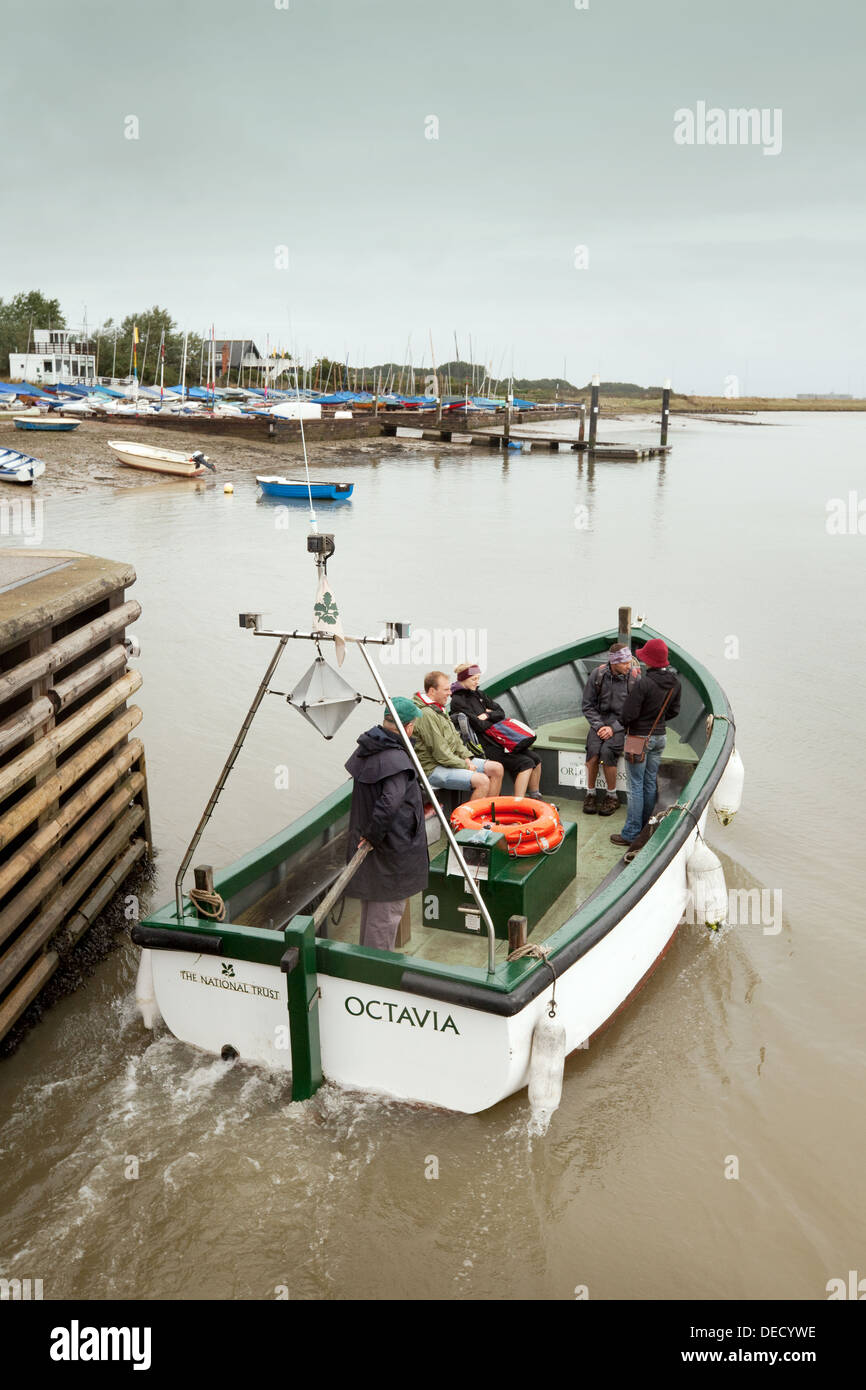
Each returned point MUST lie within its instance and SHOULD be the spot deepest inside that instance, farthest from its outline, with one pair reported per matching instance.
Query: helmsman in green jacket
(442, 752)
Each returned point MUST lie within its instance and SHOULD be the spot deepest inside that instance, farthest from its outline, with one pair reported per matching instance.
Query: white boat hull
(410, 1046)
(164, 461)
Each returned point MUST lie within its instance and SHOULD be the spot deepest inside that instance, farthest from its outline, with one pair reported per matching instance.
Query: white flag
(326, 617)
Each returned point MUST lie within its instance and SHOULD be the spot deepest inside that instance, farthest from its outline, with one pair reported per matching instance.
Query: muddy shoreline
(81, 462)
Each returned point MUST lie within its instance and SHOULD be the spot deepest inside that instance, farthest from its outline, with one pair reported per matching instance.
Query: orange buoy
(529, 826)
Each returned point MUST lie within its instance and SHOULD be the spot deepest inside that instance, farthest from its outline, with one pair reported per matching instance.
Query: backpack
(468, 736)
(512, 735)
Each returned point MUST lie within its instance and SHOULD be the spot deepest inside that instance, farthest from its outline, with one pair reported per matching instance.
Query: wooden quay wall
(74, 816)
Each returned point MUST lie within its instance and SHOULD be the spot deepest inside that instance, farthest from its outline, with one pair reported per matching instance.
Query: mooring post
(624, 627)
(506, 429)
(666, 410)
(299, 966)
(593, 413)
(581, 431)
(438, 410)
(516, 933)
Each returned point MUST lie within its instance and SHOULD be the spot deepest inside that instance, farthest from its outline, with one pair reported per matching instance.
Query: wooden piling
(593, 413)
(666, 411)
(74, 814)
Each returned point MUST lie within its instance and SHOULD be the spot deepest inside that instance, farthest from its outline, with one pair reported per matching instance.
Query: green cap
(406, 709)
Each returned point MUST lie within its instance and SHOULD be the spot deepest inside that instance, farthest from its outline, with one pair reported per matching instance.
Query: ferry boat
(256, 962)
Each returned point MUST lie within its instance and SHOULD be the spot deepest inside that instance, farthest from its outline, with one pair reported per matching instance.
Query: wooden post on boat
(666, 410)
(593, 413)
(299, 966)
(625, 627)
(516, 933)
(404, 927)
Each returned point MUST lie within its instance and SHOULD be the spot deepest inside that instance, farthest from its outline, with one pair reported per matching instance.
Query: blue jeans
(642, 778)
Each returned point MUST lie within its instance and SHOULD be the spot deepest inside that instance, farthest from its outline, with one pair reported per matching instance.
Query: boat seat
(569, 736)
(301, 891)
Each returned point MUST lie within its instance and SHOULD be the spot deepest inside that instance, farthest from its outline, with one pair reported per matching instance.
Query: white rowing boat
(16, 467)
(166, 461)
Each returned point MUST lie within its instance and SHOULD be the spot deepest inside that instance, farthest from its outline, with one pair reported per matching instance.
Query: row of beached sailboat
(71, 401)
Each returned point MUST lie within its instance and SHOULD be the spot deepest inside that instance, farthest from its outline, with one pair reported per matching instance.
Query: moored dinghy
(297, 487)
(166, 461)
(43, 423)
(16, 467)
(495, 948)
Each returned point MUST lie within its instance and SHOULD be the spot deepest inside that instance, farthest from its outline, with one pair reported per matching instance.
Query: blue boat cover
(23, 388)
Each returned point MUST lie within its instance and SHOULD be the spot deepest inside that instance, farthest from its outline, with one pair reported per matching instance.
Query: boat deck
(597, 860)
(596, 857)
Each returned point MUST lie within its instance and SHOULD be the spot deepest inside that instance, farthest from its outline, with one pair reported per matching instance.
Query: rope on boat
(538, 953)
(656, 820)
(205, 901)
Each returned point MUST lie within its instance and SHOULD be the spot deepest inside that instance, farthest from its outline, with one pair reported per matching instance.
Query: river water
(710, 1144)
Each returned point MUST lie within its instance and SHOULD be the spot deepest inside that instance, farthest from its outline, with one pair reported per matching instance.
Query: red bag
(511, 735)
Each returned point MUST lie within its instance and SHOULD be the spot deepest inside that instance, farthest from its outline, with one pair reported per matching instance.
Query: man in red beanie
(653, 700)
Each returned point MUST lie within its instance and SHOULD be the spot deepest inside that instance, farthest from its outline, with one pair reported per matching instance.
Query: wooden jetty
(74, 817)
(461, 432)
(553, 443)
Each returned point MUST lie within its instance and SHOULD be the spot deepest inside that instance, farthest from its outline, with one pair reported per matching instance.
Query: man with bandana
(603, 698)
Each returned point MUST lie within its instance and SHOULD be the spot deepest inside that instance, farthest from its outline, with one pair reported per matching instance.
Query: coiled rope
(205, 901)
(538, 953)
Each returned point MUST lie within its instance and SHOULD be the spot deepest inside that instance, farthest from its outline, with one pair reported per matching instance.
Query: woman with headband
(482, 712)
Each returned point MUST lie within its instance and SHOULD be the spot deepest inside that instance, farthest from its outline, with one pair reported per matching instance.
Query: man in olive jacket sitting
(388, 814)
(442, 752)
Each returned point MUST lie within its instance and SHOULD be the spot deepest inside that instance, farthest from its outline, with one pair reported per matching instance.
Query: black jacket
(472, 703)
(387, 810)
(645, 700)
(604, 696)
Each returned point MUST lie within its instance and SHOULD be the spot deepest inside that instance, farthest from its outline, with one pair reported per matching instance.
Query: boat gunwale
(513, 984)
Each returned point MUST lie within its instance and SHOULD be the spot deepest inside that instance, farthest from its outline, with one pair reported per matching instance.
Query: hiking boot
(618, 840)
(609, 805)
(590, 804)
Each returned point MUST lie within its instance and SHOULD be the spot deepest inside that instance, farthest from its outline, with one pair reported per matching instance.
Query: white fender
(145, 994)
(729, 792)
(546, 1065)
(706, 880)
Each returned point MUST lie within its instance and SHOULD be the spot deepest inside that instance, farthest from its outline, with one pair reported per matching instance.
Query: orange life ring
(529, 826)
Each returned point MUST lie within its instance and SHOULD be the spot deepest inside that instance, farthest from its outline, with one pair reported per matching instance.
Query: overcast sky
(262, 127)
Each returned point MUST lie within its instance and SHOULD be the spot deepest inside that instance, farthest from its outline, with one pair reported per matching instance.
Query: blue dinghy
(43, 422)
(19, 468)
(293, 487)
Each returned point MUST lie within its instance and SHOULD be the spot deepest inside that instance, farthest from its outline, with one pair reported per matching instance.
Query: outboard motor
(199, 457)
